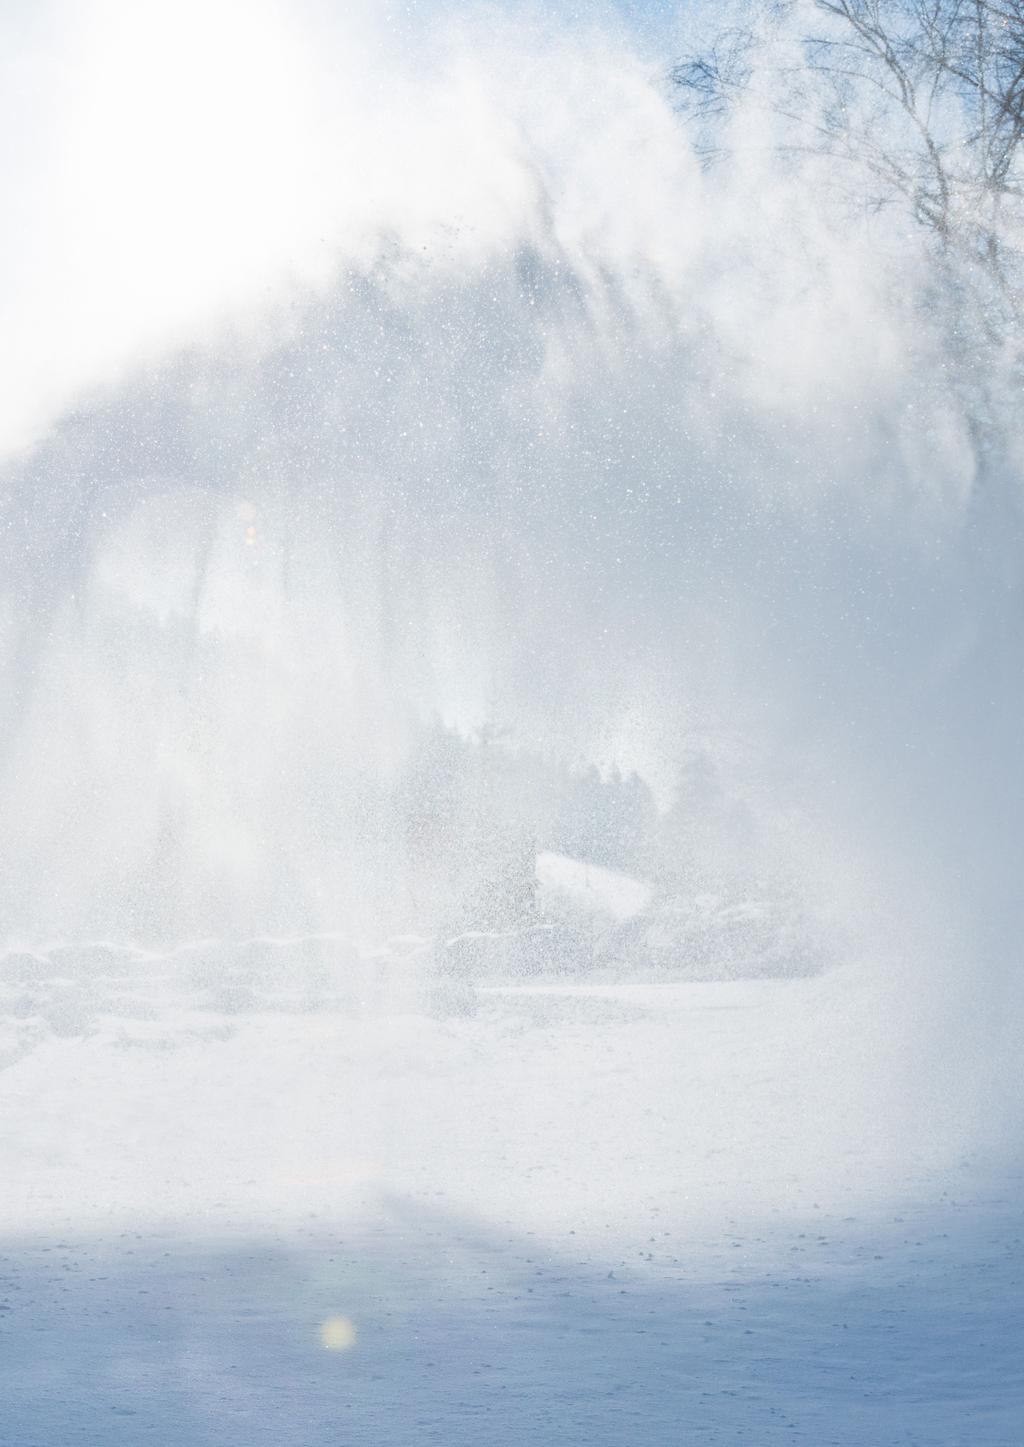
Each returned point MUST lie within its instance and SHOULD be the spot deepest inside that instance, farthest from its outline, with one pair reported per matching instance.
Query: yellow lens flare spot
(337, 1334)
(247, 516)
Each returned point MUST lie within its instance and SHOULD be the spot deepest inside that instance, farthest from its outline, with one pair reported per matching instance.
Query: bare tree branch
(926, 97)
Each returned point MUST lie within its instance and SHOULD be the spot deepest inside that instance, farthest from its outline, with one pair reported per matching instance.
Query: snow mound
(572, 886)
(81, 989)
(717, 937)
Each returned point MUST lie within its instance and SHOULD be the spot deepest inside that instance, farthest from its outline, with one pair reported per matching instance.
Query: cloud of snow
(362, 367)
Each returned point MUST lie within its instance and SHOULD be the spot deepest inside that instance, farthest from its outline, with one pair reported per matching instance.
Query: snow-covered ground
(596, 1214)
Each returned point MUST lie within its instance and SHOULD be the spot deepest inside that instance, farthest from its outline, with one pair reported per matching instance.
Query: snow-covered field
(570, 1213)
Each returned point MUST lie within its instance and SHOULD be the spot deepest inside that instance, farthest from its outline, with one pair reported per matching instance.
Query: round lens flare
(337, 1334)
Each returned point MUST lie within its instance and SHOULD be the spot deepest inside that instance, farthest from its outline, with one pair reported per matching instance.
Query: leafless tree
(921, 100)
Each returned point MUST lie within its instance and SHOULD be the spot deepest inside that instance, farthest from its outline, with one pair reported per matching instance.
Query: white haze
(538, 428)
